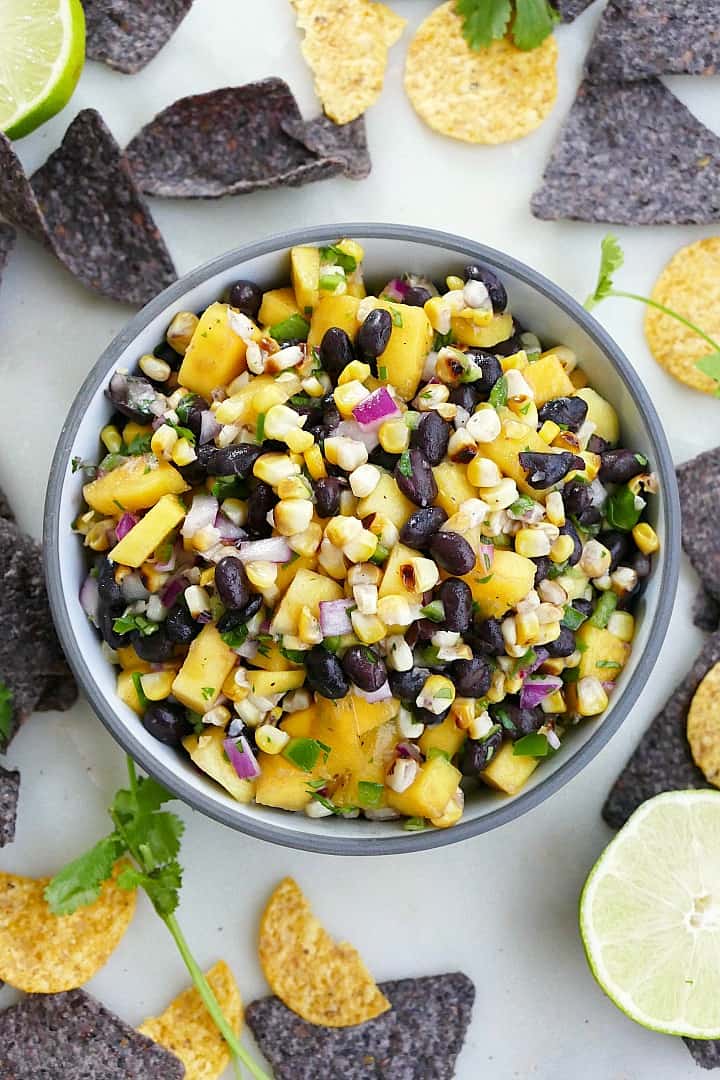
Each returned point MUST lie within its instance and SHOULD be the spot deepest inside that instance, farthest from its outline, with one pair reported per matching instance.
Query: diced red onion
(608, 687)
(133, 588)
(552, 738)
(396, 289)
(486, 556)
(275, 549)
(536, 688)
(408, 750)
(227, 529)
(202, 513)
(125, 524)
(248, 650)
(334, 618)
(209, 427)
(241, 758)
(376, 408)
(157, 422)
(172, 590)
(374, 695)
(90, 598)
(541, 656)
(204, 618)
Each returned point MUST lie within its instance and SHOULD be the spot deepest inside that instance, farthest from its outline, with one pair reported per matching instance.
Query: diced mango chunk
(305, 267)
(277, 306)
(215, 355)
(138, 483)
(388, 500)
(430, 792)
(208, 754)
(334, 311)
(548, 379)
(266, 683)
(467, 332)
(402, 363)
(602, 654)
(507, 581)
(447, 737)
(306, 590)
(142, 540)
(508, 773)
(208, 663)
(505, 450)
(453, 486)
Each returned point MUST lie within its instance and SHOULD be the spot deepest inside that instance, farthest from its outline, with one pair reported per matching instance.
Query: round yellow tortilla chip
(323, 982)
(690, 285)
(188, 1031)
(703, 726)
(491, 95)
(346, 45)
(42, 953)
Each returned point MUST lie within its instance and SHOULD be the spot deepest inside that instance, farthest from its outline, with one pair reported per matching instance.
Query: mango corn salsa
(364, 554)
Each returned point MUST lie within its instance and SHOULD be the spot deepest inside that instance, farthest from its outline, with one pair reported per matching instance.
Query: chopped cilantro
(405, 464)
(119, 505)
(235, 637)
(610, 664)
(86, 466)
(499, 393)
(142, 696)
(260, 428)
(414, 824)
(230, 487)
(295, 656)
(382, 372)
(335, 256)
(139, 445)
(183, 407)
(370, 794)
(441, 340)
(208, 692)
(126, 624)
(522, 506)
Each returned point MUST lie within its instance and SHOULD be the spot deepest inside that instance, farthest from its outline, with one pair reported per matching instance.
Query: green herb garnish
(396, 316)
(86, 466)
(433, 611)
(182, 432)
(208, 692)
(260, 428)
(485, 21)
(330, 282)
(183, 407)
(405, 464)
(603, 610)
(572, 619)
(499, 393)
(335, 256)
(379, 555)
(369, 794)
(382, 372)
(296, 656)
(436, 751)
(290, 329)
(142, 696)
(235, 637)
(621, 511)
(125, 624)
(441, 340)
(611, 665)
(534, 745)
(229, 487)
(522, 506)
(414, 824)
(340, 811)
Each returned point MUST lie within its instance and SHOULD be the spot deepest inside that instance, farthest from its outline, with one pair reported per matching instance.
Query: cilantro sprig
(149, 839)
(484, 21)
(612, 258)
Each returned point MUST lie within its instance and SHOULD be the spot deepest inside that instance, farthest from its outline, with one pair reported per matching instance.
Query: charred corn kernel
(603, 582)
(98, 535)
(508, 630)
(293, 516)
(349, 395)
(532, 543)
(299, 441)
(549, 613)
(361, 547)
(431, 396)
(592, 465)
(315, 462)
(156, 369)
(183, 452)
(397, 610)
(255, 359)
(555, 509)
(286, 358)
(341, 530)
(368, 628)
(233, 412)
(622, 625)
(398, 654)
(217, 717)
(525, 410)
(163, 441)
(394, 436)
(483, 473)
(531, 602)
(644, 536)
(576, 586)
(450, 365)
(552, 593)
(157, 685)
(623, 580)
(332, 560)
(549, 431)
(347, 453)
(562, 549)
(249, 712)
(518, 386)
(348, 503)
(437, 694)
(356, 370)
(501, 495)
(554, 703)
(407, 725)
(364, 480)
(568, 440)
(452, 281)
(401, 774)
(419, 575)
(111, 439)
(364, 574)
(267, 397)
(294, 487)
(386, 530)
(527, 627)
(591, 697)
(281, 419)
(261, 574)
(197, 600)
(452, 812)
(463, 713)
(272, 468)
(439, 313)
(514, 429)
(496, 690)
(595, 559)
(308, 541)
(461, 446)
(366, 599)
(548, 632)
(270, 739)
(289, 381)
(204, 539)
(484, 425)
(180, 331)
(297, 700)
(308, 627)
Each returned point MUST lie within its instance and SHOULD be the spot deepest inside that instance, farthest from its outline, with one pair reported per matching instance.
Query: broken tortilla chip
(323, 982)
(490, 95)
(128, 34)
(9, 791)
(346, 45)
(690, 285)
(42, 953)
(188, 1031)
(703, 726)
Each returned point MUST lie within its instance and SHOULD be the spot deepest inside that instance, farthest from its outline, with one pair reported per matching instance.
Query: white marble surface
(501, 907)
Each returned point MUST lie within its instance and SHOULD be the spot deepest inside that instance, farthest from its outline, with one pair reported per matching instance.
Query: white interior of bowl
(384, 259)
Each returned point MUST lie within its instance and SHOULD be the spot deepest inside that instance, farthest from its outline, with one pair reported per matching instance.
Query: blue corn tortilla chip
(128, 34)
(419, 1038)
(699, 486)
(7, 243)
(570, 9)
(71, 1036)
(706, 611)
(705, 1052)
(9, 790)
(637, 39)
(240, 139)
(631, 154)
(83, 204)
(662, 760)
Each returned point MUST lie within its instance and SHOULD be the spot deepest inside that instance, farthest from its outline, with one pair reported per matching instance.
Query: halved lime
(42, 52)
(650, 915)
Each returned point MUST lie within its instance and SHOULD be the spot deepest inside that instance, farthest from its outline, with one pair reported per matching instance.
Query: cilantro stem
(667, 311)
(210, 1001)
(132, 774)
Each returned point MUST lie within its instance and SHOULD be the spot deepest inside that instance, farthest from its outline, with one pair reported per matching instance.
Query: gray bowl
(540, 304)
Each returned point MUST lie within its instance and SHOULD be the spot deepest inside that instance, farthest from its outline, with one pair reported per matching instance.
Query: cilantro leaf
(79, 882)
(499, 393)
(483, 20)
(337, 257)
(6, 712)
(157, 836)
(162, 886)
(710, 365)
(534, 21)
(139, 445)
(125, 624)
(611, 259)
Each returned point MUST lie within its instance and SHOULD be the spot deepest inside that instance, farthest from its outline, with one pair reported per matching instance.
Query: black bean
(365, 667)
(383, 459)
(330, 414)
(564, 645)
(596, 445)
(109, 591)
(545, 470)
(521, 721)
(419, 486)
(231, 620)
(466, 396)
(133, 396)
(237, 460)
(166, 722)
(231, 582)
(374, 334)
(456, 599)
(585, 607)
(431, 437)
(180, 626)
(489, 368)
(493, 284)
(477, 753)
(544, 566)
(406, 685)
(512, 344)
(336, 350)
(421, 526)
(471, 677)
(489, 637)
(194, 417)
(327, 496)
(619, 466)
(165, 352)
(429, 718)
(618, 544)
(106, 618)
(155, 648)
(576, 497)
(452, 552)
(425, 630)
(197, 471)
(568, 412)
(261, 502)
(590, 517)
(325, 673)
(641, 564)
(246, 296)
(417, 296)
(568, 529)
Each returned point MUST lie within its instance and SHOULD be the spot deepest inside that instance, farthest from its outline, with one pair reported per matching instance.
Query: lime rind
(663, 936)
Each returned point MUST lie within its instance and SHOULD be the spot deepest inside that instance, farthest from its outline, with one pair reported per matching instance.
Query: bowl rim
(403, 841)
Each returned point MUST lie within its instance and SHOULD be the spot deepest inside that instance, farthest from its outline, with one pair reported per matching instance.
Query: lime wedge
(42, 51)
(650, 915)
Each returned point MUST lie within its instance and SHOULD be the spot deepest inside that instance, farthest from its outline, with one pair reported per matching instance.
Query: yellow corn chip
(490, 95)
(690, 285)
(188, 1031)
(703, 726)
(346, 45)
(323, 982)
(43, 953)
